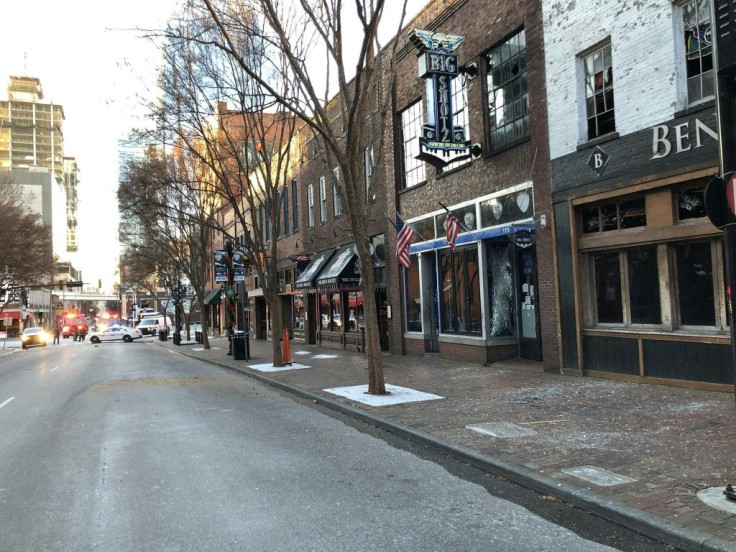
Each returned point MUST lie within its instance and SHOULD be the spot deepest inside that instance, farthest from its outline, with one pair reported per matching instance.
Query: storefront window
(630, 213)
(473, 292)
(449, 311)
(324, 311)
(691, 200)
(695, 284)
(356, 319)
(413, 299)
(460, 291)
(644, 286)
(336, 308)
(424, 229)
(608, 288)
(298, 313)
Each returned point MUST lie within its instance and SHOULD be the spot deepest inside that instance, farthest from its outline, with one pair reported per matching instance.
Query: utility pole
(723, 33)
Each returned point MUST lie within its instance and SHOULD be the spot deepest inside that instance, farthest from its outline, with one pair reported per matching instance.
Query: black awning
(306, 278)
(213, 297)
(343, 269)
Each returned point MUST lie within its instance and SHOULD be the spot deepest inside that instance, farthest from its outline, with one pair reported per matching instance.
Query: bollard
(286, 348)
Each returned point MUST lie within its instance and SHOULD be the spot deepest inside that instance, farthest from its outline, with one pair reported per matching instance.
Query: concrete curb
(689, 540)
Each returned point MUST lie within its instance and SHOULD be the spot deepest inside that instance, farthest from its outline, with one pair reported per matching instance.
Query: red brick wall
(484, 24)
(416, 347)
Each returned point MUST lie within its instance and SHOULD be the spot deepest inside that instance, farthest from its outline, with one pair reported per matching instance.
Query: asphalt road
(131, 447)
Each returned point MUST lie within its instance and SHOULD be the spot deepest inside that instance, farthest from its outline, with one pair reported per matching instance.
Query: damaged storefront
(478, 301)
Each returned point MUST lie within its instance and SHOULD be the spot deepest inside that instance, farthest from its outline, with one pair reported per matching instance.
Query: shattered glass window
(500, 284)
(691, 200)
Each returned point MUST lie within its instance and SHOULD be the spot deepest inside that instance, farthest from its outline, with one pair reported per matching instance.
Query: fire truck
(75, 325)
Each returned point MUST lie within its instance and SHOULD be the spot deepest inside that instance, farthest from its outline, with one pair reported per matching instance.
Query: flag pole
(462, 225)
(414, 229)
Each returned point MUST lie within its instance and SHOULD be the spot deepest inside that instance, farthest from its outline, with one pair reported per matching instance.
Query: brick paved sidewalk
(671, 442)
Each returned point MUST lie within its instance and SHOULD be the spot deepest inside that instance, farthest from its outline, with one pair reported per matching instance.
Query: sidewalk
(555, 434)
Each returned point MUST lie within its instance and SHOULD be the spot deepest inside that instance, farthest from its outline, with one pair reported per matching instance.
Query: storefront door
(434, 327)
(530, 340)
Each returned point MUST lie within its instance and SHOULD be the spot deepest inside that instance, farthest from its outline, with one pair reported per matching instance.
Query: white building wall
(59, 219)
(645, 41)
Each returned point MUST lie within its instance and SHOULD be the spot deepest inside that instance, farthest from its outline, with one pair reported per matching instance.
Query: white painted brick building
(648, 51)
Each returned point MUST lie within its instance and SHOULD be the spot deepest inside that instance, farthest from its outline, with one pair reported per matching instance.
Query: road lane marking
(54, 368)
(6, 402)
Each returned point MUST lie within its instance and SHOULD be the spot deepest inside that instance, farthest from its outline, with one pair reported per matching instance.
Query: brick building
(494, 296)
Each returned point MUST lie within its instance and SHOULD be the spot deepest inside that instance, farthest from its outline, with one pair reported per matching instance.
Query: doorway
(530, 339)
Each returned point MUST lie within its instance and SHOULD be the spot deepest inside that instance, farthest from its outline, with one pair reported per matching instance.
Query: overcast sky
(91, 58)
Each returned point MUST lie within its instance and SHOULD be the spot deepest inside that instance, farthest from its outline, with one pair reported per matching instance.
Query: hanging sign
(442, 141)
(522, 238)
(239, 264)
(221, 266)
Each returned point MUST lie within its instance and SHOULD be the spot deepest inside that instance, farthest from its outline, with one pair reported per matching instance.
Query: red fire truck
(75, 325)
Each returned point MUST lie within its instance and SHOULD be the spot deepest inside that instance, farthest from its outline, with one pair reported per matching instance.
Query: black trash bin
(163, 335)
(239, 345)
(198, 336)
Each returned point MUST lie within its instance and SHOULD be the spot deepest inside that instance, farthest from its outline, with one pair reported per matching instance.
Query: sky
(93, 60)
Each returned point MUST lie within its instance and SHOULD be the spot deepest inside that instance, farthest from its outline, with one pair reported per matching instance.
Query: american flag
(452, 227)
(404, 235)
(299, 259)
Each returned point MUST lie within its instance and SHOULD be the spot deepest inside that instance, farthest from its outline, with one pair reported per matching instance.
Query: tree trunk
(205, 323)
(277, 330)
(376, 383)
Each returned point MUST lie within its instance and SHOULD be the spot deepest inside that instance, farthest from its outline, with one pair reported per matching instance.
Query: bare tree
(172, 241)
(359, 113)
(26, 254)
(241, 136)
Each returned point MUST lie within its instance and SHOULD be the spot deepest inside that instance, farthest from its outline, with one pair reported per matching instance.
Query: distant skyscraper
(31, 131)
(32, 154)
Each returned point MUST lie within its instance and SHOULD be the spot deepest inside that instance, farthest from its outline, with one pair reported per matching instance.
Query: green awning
(213, 297)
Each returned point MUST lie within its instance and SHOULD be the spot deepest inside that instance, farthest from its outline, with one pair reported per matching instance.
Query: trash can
(239, 345)
(198, 337)
(162, 335)
(176, 338)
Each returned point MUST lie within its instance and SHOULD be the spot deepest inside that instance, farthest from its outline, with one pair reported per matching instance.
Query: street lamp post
(230, 296)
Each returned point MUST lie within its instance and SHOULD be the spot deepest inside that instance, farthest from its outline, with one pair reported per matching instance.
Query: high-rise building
(32, 155)
(32, 150)
(31, 131)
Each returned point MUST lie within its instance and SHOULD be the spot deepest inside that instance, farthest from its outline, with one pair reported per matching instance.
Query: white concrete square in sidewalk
(501, 430)
(271, 368)
(598, 476)
(397, 395)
